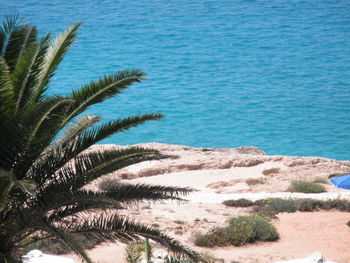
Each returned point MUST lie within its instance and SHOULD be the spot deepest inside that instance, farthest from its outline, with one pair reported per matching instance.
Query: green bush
(239, 203)
(216, 237)
(271, 207)
(301, 186)
(278, 205)
(254, 181)
(320, 180)
(308, 205)
(241, 230)
(342, 205)
(243, 202)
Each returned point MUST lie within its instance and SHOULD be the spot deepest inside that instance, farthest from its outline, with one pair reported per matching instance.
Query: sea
(273, 74)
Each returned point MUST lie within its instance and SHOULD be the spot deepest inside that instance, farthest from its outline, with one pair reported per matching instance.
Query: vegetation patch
(271, 207)
(241, 230)
(243, 202)
(301, 186)
(271, 171)
(320, 180)
(254, 181)
(179, 222)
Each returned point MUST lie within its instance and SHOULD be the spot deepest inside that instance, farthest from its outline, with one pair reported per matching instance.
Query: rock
(247, 162)
(314, 258)
(250, 150)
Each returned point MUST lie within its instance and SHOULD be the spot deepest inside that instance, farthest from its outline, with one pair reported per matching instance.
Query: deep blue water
(274, 74)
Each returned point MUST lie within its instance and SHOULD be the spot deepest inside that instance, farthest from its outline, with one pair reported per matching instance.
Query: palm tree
(43, 163)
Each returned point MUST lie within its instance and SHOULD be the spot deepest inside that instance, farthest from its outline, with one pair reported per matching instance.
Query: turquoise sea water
(274, 74)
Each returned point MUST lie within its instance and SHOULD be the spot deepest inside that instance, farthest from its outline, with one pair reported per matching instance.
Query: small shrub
(271, 171)
(180, 222)
(241, 230)
(320, 180)
(243, 202)
(254, 181)
(278, 205)
(216, 237)
(342, 205)
(239, 203)
(306, 187)
(308, 205)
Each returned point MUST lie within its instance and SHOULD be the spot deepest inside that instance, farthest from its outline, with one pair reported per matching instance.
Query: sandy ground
(221, 174)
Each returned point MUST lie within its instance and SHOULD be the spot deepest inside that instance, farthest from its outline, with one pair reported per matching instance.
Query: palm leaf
(90, 166)
(22, 76)
(98, 91)
(42, 122)
(111, 227)
(53, 200)
(28, 70)
(127, 193)
(98, 133)
(68, 241)
(7, 100)
(74, 130)
(9, 25)
(8, 181)
(57, 157)
(132, 252)
(54, 56)
(20, 38)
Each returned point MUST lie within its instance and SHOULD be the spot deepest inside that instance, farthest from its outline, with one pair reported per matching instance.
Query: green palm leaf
(7, 97)
(8, 26)
(28, 70)
(55, 158)
(8, 181)
(54, 56)
(98, 91)
(111, 227)
(90, 166)
(18, 41)
(74, 130)
(42, 122)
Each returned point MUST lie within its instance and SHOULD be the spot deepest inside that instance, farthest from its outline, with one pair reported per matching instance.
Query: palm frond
(74, 130)
(98, 91)
(98, 133)
(72, 210)
(112, 227)
(57, 157)
(28, 70)
(68, 241)
(20, 38)
(42, 122)
(22, 76)
(8, 26)
(132, 252)
(8, 181)
(53, 200)
(126, 193)
(90, 166)
(7, 98)
(11, 141)
(55, 53)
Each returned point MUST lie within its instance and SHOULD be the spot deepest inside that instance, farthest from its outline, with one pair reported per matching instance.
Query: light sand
(221, 174)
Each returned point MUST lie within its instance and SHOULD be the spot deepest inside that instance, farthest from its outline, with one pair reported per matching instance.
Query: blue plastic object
(341, 181)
